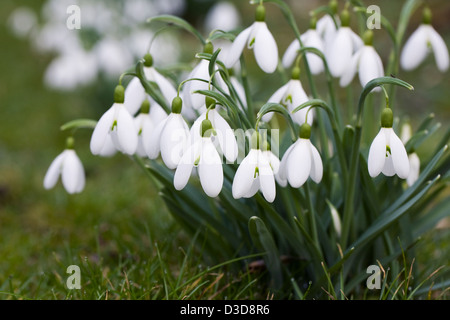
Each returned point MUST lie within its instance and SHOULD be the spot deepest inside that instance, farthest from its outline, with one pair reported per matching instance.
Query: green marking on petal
(388, 151)
(256, 173)
(196, 162)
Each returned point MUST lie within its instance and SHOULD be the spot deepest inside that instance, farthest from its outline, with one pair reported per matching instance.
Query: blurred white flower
(22, 21)
(222, 16)
(69, 167)
(414, 160)
(420, 44)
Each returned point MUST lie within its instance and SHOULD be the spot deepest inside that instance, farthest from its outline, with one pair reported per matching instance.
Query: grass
(118, 230)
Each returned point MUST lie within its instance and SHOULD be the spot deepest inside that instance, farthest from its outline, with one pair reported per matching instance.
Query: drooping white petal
(282, 172)
(53, 171)
(265, 49)
(227, 140)
(388, 169)
(72, 172)
(351, 70)
(101, 130)
(377, 154)
(266, 178)
(108, 149)
(153, 146)
(245, 174)
(237, 47)
(299, 163)
(239, 88)
(298, 96)
(414, 169)
(126, 131)
(415, 49)
(399, 155)
(340, 53)
(174, 140)
(273, 161)
(210, 169)
(145, 126)
(370, 65)
(157, 113)
(439, 48)
(184, 168)
(134, 96)
(201, 72)
(290, 54)
(316, 164)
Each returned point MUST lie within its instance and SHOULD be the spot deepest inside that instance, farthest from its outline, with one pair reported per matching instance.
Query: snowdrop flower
(118, 124)
(301, 160)
(326, 28)
(200, 71)
(366, 61)
(222, 130)
(145, 126)
(170, 137)
(68, 165)
(203, 155)
(310, 38)
(223, 16)
(135, 93)
(414, 160)
(291, 95)
(387, 154)
(255, 173)
(344, 45)
(421, 43)
(258, 38)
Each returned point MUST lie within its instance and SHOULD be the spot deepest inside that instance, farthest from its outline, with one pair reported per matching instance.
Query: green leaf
(179, 22)
(263, 241)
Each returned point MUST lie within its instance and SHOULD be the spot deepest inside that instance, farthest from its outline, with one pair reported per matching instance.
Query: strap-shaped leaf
(179, 22)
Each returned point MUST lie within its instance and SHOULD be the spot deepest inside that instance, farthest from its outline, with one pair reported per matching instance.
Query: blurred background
(51, 75)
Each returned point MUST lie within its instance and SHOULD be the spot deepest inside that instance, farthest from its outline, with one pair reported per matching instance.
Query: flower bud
(345, 18)
(210, 102)
(70, 141)
(177, 104)
(427, 15)
(313, 23)
(119, 94)
(208, 48)
(260, 14)
(295, 75)
(305, 131)
(368, 37)
(387, 118)
(333, 6)
(255, 140)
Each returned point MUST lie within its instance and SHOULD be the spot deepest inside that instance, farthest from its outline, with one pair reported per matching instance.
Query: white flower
(170, 137)
(203, 155)
(300, 161)
(135, 93)
(388, 155)
(223, 133)
(420, 44)
(341, 50)
(254, 173)
(326, 28)
(310, 38)
(68, 165)
(118, 124)
(223, 16)
(260, 39)
(291, 95)
(368, 64)
(145, 127)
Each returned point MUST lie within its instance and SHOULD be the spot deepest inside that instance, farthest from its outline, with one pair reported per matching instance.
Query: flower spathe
(421, 43)
(387, 154)
(69, 167)
(118, 124)
(203, 155)
(260, 39)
